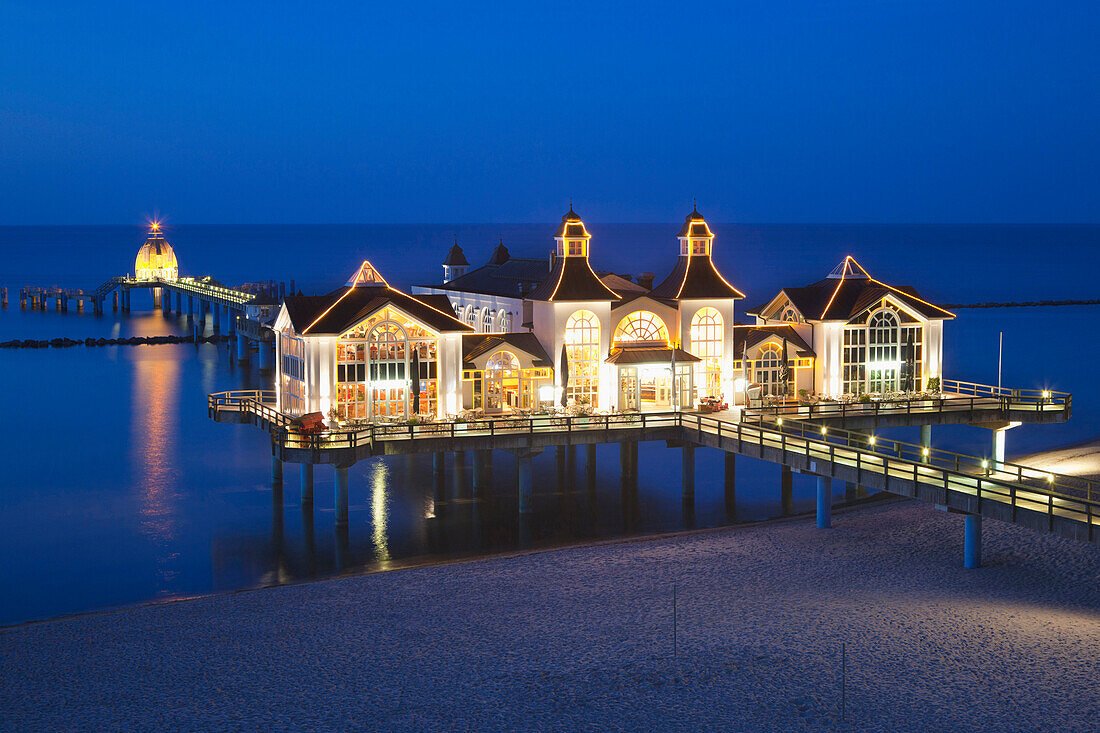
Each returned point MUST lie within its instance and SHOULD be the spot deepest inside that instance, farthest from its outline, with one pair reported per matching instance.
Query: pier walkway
(976, 486)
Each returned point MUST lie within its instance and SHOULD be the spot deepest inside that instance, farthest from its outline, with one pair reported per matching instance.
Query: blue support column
(267, 354)
(731, 485)
(307, 483)
(190, 306)
(242, 347)
(972, 541)
(276, 471)
(231, 317)
(687, 465)
(523, 461)
(824, 502)
(439, 477)
(217, 317)
(341, 496)
(179, 303)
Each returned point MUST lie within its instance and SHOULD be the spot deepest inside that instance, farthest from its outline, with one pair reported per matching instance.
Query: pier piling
(731, 485)
(972, 541)
(524, 481)
(341, 496)
(307, 483)
(824, 502)
(786, 490)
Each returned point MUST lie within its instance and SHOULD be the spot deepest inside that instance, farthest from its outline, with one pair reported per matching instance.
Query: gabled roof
(476, 344)
(695, 276)
(572, 279)
(343, 308)
(848, 291)
(621, 285)
(750, 336)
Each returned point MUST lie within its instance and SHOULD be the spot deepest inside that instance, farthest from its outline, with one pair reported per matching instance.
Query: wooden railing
(956, 397)
(1016, 485)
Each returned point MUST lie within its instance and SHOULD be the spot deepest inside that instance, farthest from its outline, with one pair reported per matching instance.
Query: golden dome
(156, 260)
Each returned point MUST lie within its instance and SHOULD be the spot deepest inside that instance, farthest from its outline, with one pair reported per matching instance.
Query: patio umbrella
(910, 363)
(563, 371)
(784, 371)
(416, 381)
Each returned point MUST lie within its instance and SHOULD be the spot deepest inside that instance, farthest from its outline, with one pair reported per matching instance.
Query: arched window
(883, 358)
(768, 371)
(641, 326)
(707, 344)
(486, 320)
(386, 344)
(790, 316)
(471, 316)
(582, 350)
(502, 321)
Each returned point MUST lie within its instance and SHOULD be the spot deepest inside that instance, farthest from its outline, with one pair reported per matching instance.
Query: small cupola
(455, 265)
(500, 254)
(572, 236)
(695, 236)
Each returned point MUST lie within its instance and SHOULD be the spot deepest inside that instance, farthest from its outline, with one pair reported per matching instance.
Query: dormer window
(575, 247)
(699, 246)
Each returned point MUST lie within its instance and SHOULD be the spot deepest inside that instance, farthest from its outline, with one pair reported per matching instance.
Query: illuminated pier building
(517, 334)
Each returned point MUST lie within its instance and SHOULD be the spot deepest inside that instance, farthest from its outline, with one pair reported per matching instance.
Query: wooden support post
(687, 470)
(276, 471)
(525, 486)
(482, 471)
(438, 477)
(972, 541)
(824, 502)
(731, 485)
(786, 490)
(307, 483)
(341, 495)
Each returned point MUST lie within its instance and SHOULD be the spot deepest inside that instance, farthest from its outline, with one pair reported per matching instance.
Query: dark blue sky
(840, 111)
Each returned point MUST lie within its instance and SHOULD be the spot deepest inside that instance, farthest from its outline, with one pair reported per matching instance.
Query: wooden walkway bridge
(977, 486)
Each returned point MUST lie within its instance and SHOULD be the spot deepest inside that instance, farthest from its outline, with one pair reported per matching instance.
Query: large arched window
(883, 357)
(502, 321)
(707, 343)
(374, 367)
(789, 316)
(502, 381)
(471, 316)
(487, 320)
(641, 326)
(582, 350)
(768, 371)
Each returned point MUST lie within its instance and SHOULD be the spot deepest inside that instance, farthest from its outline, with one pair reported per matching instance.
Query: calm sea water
(117, 489)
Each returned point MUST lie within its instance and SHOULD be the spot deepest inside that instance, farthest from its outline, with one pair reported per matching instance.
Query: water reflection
(153, 459)
(379, 481)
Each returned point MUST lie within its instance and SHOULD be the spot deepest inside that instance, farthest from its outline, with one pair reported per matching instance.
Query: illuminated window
(292, 380)
(470, 317)
(707, 344)
(855, 360)
(768, 371)
(487, 320)
(502, 381)
(582, 349)
(883, 351)
(641, 326)
(699, 247)
(789, 316)
(374, 367)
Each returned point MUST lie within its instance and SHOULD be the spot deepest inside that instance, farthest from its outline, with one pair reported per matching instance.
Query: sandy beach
(582, 638)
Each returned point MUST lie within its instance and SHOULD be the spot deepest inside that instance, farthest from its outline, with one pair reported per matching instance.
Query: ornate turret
(455, 265)
(571, 277)
(695, 276)
(156, 260)
(500, 254)
(572, 237)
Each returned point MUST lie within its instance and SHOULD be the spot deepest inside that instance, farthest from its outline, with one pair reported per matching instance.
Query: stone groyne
(60, 343)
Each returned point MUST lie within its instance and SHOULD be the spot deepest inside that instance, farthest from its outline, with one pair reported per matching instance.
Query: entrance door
(628, 388)
(501, 382)
(655, 387)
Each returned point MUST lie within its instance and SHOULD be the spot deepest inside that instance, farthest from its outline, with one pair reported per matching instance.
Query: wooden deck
(1059, 504)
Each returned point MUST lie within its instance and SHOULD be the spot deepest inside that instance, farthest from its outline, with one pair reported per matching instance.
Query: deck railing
(1010, 483)
(956, 397)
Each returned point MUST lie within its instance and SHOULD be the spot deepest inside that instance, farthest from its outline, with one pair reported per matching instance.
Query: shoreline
(414, 564)
(581, 638)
